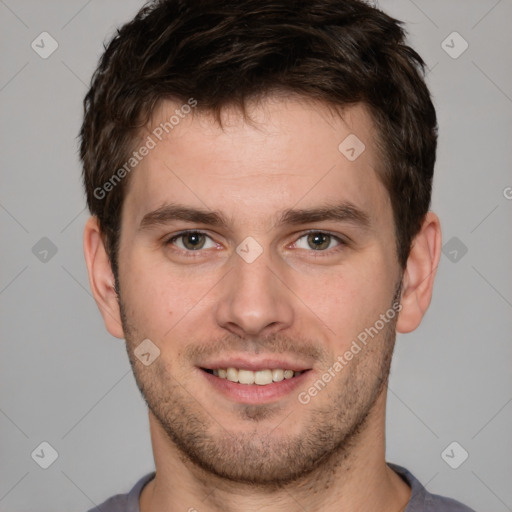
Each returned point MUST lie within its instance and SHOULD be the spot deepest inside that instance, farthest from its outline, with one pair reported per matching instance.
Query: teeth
(260, 377)
(245, 377)
(277, 375)
(263, 377)
(232, 374)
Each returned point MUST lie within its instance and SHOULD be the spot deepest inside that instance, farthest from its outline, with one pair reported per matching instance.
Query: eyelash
(318, 254)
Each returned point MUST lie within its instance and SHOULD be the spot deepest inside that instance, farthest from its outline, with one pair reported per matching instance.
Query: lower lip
(254, 393)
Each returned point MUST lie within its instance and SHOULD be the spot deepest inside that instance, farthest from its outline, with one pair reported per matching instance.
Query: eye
(192, 241)
(318, 241)
(195, 241)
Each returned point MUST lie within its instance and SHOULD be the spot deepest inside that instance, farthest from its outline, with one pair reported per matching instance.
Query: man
(259, 174)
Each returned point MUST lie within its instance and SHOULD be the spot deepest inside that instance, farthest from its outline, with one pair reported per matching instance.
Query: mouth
(261, 377)
(246, 382)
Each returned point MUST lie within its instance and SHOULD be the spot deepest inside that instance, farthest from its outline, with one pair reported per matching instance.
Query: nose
(254, 300)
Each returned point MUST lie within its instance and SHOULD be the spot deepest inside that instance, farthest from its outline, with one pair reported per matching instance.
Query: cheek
(161, 299)
(147, 294)
(350, 299)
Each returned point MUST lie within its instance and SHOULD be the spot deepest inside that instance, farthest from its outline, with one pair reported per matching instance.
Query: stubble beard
(263, 455)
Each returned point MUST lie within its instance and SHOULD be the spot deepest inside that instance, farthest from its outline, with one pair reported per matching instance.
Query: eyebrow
(342, 212)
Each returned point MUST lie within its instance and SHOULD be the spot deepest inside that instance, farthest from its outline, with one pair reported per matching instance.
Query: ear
(101, 278)
(419, 274)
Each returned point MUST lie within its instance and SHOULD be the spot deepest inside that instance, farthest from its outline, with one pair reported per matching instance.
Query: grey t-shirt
(421, 500)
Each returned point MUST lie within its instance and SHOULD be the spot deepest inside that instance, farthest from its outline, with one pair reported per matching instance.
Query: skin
(213, 452)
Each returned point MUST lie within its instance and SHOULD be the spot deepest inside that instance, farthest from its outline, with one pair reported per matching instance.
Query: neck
(354, 478)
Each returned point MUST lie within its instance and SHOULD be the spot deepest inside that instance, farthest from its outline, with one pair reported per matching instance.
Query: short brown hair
(226, 52)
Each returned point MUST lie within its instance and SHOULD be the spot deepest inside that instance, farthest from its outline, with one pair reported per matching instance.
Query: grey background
(65, 381)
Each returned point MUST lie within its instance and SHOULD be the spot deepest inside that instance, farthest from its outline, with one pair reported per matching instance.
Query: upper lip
(254, 364)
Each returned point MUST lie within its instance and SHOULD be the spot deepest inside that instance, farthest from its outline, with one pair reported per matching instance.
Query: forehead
(286, 152)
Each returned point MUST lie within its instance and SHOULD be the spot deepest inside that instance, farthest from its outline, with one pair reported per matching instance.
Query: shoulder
(116, 503)
(423, 501)
(128, 502)
(436, 503)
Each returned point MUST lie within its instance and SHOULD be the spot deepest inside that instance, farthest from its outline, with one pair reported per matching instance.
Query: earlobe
(419, 274)
(101, 278)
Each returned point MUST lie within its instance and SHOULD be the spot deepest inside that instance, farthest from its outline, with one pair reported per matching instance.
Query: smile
(261, 385)
(261, 377)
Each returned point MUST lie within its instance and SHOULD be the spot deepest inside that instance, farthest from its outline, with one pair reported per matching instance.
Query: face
(254, 256)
